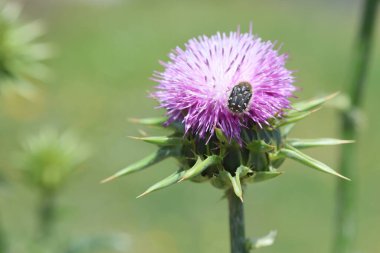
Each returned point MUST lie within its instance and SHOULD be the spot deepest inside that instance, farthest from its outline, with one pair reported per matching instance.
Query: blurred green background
(106, 53)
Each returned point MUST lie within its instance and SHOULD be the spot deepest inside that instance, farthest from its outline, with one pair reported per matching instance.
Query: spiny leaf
(235, 181)
(160, 140)
(260, 176)
(158, 121)
(285, 130)
(310, 143)
(154, 158)
(172, 179)
(244, 171)
(259, 146)
(312, 104)
(300, 157)
(293, 118)
(200, 166)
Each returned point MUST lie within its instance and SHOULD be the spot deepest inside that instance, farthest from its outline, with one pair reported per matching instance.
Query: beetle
(239, 97)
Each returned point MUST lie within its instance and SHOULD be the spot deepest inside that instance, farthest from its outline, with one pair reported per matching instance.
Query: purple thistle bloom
(225, 81)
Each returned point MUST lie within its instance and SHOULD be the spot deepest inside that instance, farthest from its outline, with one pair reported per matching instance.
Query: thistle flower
(227, 102)
(225, 81)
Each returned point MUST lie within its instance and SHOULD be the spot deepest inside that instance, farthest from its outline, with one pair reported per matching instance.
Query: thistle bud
(49, 158)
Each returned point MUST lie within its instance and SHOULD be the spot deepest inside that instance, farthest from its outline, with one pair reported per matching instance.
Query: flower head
(227, 102)
(224, 81)
(50, 157)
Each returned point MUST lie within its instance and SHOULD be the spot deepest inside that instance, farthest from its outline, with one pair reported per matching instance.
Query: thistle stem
(46, 212)
(346, 220)
(3, 242)
(236, 218)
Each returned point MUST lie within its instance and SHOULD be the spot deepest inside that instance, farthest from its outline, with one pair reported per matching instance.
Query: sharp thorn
(182, 179)
(142, 194)
(107, 179)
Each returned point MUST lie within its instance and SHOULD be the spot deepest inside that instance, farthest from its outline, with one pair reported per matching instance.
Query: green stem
(46, 213)
(346, 220)
(3, 241)
(236, 218)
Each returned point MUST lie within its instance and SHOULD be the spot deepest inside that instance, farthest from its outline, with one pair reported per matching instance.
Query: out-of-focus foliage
(113, 242)
(49, 158)
(20, 99)
(21, 55)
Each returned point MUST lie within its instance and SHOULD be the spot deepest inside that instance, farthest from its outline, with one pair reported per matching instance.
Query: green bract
(226, 163)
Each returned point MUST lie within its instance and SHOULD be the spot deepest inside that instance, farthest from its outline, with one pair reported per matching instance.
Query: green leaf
(285, 130)
(220, 135)
(244, 171)
(144, 163)
(161, 140)
(300, 157)
(310, 143)
(312, 104)
(158, 121)
(260, 176)
(235, 181)
(292, 118)
(259, 146)
(264, 241)
(168, 181)
(200, 166)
